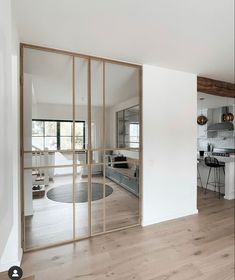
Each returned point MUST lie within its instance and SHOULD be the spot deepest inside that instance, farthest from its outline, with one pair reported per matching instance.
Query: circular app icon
(15, 272)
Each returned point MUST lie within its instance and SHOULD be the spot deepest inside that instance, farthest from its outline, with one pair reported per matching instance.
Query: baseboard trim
(6, 266)
(231, 196)
(172, 216)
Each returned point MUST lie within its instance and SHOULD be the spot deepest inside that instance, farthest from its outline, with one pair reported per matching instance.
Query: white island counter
(227, 180)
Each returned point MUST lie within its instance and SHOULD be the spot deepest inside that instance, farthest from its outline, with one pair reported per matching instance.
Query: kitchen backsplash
(223, 140)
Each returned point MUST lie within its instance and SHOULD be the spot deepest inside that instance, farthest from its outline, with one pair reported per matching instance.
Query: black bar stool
(216, 165)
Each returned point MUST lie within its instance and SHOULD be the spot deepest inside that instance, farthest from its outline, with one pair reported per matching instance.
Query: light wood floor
(197, 247)
(52, 221)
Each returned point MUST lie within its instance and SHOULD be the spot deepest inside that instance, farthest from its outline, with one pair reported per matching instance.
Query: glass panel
(81, 103)
(134, 135)
(81, 199)
(81, 157)
(98, 199)
(121, 105)
(79, 135)
(112, 156)
(66, 143)
(37, 143)
(47, 98)
(122, 208)
(79, 129)
(66, 129)
(127, 122)
(120, 129)
(50, 143)
(96, 104)
(97, 157)
(46, 158)
(37, 128)
(122, 138)
(48, 198)
(50, 128)
(79, 143)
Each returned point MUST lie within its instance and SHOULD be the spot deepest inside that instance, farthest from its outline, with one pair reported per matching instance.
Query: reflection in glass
(122, 208)
(38, 143)
(81, 202)
(47, 198)
(50, 128)
(81, 103)
(97, 157)
(97, 100)
(98, 199)
(127, 122)
(47, 99)
(110, 126)
(38, 159)
(50, 143)
(65, 143)
(122, 115)
(37, 128)
(121, 106)
(80, 135)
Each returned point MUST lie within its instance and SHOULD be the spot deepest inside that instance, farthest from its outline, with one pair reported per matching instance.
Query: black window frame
(58, 134)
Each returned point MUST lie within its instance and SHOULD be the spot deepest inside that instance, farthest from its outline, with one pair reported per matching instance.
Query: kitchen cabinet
(122, 178)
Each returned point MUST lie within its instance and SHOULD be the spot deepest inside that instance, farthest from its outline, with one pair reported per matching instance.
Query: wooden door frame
(89, 148)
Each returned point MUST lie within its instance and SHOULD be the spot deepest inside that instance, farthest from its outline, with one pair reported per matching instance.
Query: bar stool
(214, 163)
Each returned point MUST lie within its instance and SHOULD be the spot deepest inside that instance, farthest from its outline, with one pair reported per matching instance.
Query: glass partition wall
(81, 144)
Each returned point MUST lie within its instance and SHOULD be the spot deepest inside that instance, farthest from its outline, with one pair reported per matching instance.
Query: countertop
(220, 159)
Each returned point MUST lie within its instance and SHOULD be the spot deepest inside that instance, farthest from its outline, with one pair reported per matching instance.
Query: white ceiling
(51, 76)
(189, 35)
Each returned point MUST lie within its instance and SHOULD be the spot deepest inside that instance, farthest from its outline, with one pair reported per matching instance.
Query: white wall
(169, 144)
(10, 249)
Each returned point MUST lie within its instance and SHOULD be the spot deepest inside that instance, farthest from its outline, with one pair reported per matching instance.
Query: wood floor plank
(198, 247)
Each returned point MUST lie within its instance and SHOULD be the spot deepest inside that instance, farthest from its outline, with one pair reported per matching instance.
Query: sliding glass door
(81, 143)
(47, 146)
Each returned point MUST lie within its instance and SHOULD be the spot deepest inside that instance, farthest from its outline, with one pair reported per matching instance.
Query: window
(57, 135)
(134, 135)
(79, 135)
(50, 135)
(127, 127)
(66, 135)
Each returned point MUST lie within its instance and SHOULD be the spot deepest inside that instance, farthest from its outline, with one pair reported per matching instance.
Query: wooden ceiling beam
(215, 87)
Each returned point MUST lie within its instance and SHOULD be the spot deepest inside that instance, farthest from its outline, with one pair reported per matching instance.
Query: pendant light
(201, 119)
(227, 117)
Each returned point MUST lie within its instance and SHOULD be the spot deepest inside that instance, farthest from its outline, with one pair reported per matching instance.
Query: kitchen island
(227, 180)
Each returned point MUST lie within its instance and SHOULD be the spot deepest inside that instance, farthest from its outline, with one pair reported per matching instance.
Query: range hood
(221, 126)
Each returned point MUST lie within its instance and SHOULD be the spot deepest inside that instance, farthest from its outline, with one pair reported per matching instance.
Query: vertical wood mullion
(89, 148)
(140, 145)
(23, 235)
(104, 144)
(73, 146)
